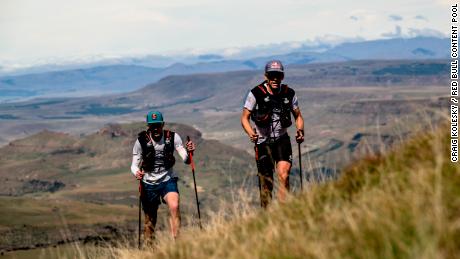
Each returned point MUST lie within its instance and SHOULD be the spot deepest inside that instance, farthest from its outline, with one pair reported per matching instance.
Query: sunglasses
(275, 75)
(155, 126)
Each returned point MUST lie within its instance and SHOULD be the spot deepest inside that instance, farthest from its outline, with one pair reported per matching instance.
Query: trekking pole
(140, 208)
(300, 167)
(256, 153)
(192, 164)
(140, 205)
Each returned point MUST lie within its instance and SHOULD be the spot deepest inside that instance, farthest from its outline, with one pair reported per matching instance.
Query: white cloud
(354, 18)
(395, 17)
(31, 29)
(421, 17)
(334, 40)
(425, 32)
(135, 15)
(396, 34)
(444, 2)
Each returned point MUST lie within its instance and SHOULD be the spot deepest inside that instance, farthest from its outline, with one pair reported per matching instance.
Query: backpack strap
(262, 88)
(142, 137)
(286, 88)
(287, 92)
(148, 153)
(260, 93)
(261, 115)
(168, 137)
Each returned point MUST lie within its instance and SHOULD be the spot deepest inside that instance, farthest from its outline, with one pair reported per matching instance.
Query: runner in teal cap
(153, 161)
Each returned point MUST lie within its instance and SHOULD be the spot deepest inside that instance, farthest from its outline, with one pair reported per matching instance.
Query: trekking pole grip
(190, 154)
(188, 140)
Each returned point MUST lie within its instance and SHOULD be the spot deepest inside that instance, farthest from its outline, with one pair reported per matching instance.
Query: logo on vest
(286, 100)
(267, 99)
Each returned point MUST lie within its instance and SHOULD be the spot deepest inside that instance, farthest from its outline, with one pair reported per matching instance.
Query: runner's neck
(152, 138)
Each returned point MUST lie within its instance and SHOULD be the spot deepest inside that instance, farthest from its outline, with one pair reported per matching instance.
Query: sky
(32, 30)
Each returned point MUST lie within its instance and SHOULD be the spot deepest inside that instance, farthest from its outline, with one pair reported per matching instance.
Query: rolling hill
(403, 204)
(53, 182)
(337, 101)
(349, 107)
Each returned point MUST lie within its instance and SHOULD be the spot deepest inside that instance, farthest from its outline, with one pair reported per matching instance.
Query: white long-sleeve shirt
(159, 174)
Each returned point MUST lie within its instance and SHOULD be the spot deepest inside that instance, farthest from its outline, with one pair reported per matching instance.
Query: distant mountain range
(132, 74)
(225, 90)
(344, 104)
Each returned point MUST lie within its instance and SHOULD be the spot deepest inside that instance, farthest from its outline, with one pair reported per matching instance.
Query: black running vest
(148, 152)
(267, 105)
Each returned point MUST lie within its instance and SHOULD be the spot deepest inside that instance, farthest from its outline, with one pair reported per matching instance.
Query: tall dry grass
(403, 204)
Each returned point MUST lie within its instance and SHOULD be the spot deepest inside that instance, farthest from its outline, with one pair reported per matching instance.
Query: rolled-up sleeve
(178, 144)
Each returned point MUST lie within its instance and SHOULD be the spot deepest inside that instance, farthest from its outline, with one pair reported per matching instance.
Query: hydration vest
(267, 105)
(148, 151)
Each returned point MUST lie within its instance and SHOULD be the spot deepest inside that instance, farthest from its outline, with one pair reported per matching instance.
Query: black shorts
(269, 153)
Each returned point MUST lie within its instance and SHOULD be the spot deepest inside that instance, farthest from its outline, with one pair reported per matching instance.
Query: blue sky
(31, 30)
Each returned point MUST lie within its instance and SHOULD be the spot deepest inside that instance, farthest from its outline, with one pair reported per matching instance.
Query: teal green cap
(154, 117)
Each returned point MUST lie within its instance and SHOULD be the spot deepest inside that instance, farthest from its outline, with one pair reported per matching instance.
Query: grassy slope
(405, 204)
(99, 188)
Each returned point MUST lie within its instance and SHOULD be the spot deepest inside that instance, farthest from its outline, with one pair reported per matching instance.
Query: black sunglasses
(275, 75)
(155, 125)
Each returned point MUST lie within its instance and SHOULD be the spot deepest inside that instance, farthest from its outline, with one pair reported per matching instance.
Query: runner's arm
(137, 158)
(298, 119)
(299, 136)
(249, 105)
(178, 144)
(299, 123)
(245, 122)
(297, 114)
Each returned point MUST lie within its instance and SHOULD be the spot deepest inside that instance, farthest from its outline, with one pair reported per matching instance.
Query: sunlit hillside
(404, 204)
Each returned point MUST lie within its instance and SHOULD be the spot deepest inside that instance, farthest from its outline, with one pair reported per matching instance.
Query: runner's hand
(253, 137)
(139, 175)
(190, 146)
(299, 136)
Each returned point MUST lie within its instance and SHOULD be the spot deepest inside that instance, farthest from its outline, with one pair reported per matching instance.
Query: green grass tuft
(404, 204)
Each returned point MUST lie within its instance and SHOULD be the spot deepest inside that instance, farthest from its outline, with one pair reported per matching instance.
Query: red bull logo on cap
(275, 65)
(154, 116)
